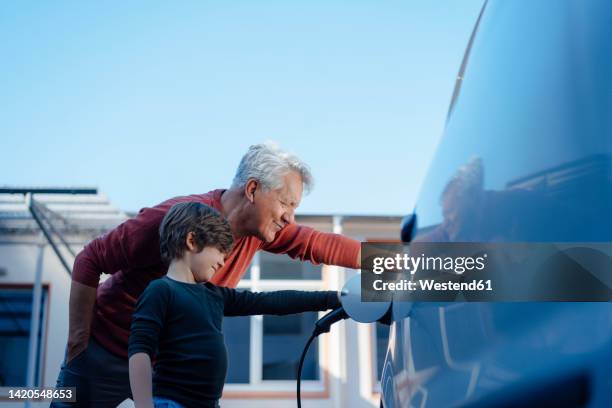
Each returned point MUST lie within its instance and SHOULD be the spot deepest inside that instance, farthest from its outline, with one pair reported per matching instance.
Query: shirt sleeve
(281, 302)
(148, 318)
(132, 244)
(305, 243)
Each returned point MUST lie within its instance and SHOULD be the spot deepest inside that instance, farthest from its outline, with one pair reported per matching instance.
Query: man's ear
(249, 189)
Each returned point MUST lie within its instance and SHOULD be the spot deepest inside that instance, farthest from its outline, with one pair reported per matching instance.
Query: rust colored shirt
(130, 253)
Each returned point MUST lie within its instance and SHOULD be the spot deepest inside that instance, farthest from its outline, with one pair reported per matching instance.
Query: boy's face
(204, 264)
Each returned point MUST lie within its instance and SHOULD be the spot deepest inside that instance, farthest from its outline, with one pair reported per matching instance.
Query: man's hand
(81, 305)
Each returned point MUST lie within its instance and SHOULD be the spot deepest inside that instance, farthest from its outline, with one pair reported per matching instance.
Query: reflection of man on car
(461, 200)
(471, 213)
(518, 214)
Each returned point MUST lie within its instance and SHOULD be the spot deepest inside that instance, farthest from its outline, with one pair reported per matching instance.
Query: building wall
(18, 257)
(345, 354)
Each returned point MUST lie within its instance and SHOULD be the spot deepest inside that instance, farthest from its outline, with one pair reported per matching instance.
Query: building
(38, 230)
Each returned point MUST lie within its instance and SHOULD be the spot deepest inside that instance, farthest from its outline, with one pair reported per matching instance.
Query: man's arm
(281, 302)
(133, 243)
(305, 243)
(140, 380)
(81, 305)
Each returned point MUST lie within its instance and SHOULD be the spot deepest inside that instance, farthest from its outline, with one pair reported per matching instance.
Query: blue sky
(150, 100)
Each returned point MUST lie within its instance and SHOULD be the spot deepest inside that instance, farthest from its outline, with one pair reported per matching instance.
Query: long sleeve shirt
(180, 325)
(130, 252)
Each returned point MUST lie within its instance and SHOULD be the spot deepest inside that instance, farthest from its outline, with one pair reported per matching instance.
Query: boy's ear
(190, 242)
(249, 189)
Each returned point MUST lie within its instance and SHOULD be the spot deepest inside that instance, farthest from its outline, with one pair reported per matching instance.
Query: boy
(178, 318)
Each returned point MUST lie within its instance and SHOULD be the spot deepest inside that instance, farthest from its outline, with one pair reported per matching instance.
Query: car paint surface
(525, 157)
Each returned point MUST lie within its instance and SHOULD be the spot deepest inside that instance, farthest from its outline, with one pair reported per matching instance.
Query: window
(237, 331)
(284, 338)
(15, 326)
(282, 267)
(264, 351)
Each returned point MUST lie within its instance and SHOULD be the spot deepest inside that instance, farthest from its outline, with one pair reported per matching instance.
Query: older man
(259, 206)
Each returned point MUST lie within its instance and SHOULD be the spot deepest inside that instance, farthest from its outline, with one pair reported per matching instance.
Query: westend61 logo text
(412, 264)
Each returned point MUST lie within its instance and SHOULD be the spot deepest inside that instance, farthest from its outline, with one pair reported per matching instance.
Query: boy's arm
(147, 322)
(281, 302)
(140, 380)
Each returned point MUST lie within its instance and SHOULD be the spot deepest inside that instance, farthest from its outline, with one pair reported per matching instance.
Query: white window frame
(256, 383)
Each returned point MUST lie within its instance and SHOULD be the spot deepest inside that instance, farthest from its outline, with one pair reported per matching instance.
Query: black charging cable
(321, 326)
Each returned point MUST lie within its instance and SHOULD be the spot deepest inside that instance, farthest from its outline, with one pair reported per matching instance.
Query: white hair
(468, 179)
(268, 164)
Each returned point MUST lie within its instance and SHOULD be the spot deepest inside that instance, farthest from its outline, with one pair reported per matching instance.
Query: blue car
(525, 157)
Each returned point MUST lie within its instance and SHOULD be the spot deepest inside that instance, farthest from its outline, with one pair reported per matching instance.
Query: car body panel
(525, 157)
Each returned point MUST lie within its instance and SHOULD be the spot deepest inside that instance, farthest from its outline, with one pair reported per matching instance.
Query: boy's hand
(141, 380)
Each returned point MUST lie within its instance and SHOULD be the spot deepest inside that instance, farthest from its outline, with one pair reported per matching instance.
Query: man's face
(275, 209)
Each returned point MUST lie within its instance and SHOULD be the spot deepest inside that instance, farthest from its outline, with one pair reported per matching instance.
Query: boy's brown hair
(207, 224)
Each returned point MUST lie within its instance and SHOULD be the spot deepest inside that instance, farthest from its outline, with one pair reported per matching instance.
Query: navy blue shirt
(180, 326)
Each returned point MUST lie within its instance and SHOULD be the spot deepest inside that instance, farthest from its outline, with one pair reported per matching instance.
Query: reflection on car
(525, 157)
